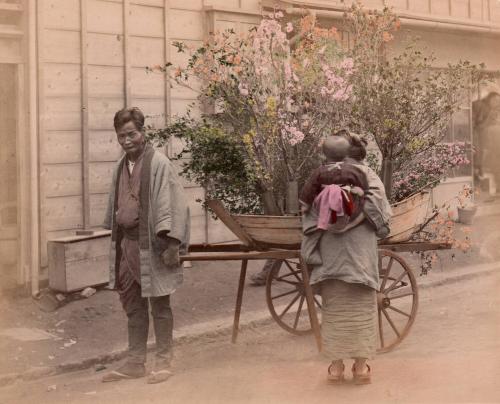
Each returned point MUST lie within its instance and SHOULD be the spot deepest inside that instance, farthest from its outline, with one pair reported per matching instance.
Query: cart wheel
(286, 297)
(397, 300)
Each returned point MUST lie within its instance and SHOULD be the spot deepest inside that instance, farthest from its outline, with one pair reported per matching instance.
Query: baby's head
(336, 148)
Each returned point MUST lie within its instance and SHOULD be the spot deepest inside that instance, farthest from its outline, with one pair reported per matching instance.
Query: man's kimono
(163, 211)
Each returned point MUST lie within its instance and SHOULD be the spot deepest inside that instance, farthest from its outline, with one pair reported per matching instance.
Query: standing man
(149, 218)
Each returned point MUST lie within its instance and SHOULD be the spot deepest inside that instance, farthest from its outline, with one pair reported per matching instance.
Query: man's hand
(170, 256)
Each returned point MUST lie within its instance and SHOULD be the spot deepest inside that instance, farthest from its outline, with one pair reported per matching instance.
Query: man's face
(131, 140)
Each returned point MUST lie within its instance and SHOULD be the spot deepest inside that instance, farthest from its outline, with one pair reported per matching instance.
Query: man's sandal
(335, 379)
(159, 376)
(361, 378)
(126, 371)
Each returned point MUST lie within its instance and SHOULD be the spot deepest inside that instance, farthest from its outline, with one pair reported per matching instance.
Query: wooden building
(66, 66)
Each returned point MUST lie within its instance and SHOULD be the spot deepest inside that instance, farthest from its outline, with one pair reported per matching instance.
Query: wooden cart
(291, 300)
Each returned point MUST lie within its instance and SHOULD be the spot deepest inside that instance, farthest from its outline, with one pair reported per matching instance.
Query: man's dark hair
(126, 115)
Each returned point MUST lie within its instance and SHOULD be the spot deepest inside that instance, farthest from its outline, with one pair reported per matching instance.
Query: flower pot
(466, 215)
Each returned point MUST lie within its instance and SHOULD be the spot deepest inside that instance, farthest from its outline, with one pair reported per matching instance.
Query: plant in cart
(273, 93)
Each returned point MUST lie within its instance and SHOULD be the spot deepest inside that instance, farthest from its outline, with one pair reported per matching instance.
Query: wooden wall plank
(184, 93)
(126, 53)
(460, 8)
(10, 50)
(147, 85)
(398, 4)
(181, 106)
(157, 3)
(85, 114)
(225, 3)
(106, 81)
(476, 8)
(99, 204)
(62, 113)
(102, 112)
(147, 21)
(63, 213)
(146, 51)
(61, 147)
(187, 4)
(63, 46)
(61, 14)
(195, 207)
(62, 179)
(62, 79)
(103, 146)
(250, 4)
(105, 49)
(197, 229)
(186, 25)
(101, 174)
(153, 109)
(494, 11)
(105, 17)
(438, 7)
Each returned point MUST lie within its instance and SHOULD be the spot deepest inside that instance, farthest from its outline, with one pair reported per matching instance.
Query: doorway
(9, 229)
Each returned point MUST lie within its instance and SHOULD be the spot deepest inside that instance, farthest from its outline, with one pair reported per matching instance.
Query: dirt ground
(452, 355)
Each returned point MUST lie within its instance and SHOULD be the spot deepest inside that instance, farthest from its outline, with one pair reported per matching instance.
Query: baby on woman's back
(336, 189)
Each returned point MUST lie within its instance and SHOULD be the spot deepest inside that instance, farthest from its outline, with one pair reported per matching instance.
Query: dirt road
(452, 355)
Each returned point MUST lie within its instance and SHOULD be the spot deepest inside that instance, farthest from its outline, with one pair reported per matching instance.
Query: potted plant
(466, 208)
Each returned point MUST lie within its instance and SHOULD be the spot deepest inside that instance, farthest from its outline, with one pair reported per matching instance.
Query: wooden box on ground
(76, 262)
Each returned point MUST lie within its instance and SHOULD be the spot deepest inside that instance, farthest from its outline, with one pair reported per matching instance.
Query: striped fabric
(349, 320)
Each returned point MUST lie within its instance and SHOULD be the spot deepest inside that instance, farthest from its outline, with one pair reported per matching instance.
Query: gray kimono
(351, 256)
(163, 209)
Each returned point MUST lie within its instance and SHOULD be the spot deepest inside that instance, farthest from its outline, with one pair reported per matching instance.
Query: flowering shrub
(425, 171)
(403, 102)
(277, 89)
(441, 228)
(273, 91)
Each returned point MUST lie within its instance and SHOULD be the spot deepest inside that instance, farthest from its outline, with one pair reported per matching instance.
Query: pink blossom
(347, 64)
(289, 27)
(243, 90)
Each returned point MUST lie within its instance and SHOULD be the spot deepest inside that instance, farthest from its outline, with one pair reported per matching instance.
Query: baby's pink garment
(328, 201)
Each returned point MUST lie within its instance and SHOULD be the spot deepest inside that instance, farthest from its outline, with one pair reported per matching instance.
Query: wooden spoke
(287, 263)
(286, 286)
(391, 323)
(393, 284)
(294, 273)
(299, 311)
(393, 287)
(399, 311)
(387, 271)
(317, 302)
(402, 295)
(284, 294)
(289, 305)
(380, 329)
(289, 282)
